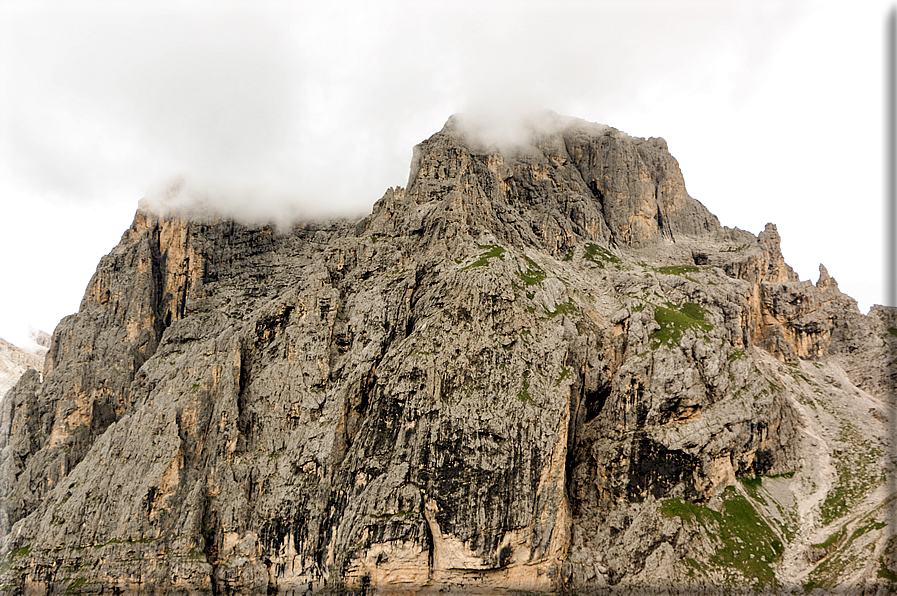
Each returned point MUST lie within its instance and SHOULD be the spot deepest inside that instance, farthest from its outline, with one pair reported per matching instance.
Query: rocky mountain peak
(540, 366)
(561, 182)
(825, 281)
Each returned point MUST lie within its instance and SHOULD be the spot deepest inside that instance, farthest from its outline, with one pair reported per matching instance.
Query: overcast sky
(774, 109)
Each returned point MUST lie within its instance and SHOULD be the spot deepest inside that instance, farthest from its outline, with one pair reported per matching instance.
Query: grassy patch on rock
(75, 586)
(736, 355)
(753, 486)
(857, 474)
(564, 308)
(600, 255)
(744, 541)
(674, 321)
(492, 251)
(738, 248)
(22, 551)
(832, 570)
(832, 540)
(566, 373)
(533, 275)
(679, 270)
(523, 395)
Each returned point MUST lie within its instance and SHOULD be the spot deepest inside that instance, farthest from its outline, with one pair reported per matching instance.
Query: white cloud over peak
(279, 110)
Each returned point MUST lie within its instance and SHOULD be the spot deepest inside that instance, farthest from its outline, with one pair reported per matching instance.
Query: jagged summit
(572, 181)
(540, 370)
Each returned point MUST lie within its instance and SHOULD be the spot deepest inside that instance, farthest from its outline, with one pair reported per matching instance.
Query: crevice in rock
(244, 422)
(411, 320)
(656, 470)
(181, 306)
(268, 327)
(593, 402)
(598, 194)
(210, 531)
(272, 589)
(341, 335)
(430, 542)
(587, 399)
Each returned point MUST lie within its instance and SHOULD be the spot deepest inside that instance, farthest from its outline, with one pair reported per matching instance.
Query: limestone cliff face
(538, 369)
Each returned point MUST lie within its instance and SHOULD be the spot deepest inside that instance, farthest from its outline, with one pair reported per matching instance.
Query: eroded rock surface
(533, 370)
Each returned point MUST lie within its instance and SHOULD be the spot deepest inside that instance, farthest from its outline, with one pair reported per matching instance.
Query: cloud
(207, 200)
(270, 109)
(275, 110)
(501, 127)
(263, 108)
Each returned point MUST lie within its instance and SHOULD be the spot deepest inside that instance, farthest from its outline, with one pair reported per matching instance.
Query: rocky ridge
(541, 369)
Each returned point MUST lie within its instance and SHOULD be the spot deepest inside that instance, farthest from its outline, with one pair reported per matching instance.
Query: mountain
(14, 361)
(538, 367)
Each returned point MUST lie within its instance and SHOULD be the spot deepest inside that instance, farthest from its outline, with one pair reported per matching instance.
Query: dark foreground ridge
(545, 369)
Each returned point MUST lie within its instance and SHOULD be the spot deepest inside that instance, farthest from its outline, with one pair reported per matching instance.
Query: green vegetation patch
(752, 486)
(532, 276)
(857, 474)
(830, 572)
(17, 553)
(600, 255)
(680, 270)
(523, 395)
(738, 248)
(867, 528)
(884, 570)
(492, 251)
(677, 269)
(674, 321)
(566, 373)
(832, 540)
(564, 308)
(113, 541)
(892, 331)
(736, 355)
(886, 573)
(75, 586)
(744, 541)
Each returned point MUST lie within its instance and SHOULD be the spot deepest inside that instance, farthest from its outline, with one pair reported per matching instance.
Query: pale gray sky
(774, 110)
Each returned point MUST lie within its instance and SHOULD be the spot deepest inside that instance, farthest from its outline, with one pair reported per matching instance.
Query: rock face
(533, 370)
